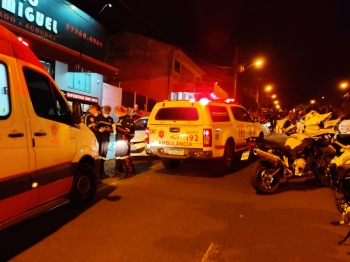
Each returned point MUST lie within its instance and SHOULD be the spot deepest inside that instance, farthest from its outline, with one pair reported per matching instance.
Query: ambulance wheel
(170, 163)
(223, 165)
(84, 185)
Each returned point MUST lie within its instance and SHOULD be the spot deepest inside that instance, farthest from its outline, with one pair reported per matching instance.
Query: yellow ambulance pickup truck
(48, 157)
(205, 130)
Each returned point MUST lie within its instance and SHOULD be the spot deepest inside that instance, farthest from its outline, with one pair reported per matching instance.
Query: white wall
(61, 75)
(112, 96)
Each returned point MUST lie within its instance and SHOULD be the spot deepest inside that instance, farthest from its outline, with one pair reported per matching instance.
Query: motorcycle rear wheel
(261, 180)
(321, 176)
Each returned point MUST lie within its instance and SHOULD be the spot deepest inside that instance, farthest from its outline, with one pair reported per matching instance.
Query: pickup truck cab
(48, 156)
(204, 130)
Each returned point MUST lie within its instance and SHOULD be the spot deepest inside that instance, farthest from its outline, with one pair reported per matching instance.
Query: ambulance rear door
(175, 127)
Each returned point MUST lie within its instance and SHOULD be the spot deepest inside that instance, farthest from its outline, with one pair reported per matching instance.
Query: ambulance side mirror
(77, 113)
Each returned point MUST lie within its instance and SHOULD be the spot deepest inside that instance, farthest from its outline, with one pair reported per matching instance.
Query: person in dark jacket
(104, 124)
(90, 119)
(124, 132)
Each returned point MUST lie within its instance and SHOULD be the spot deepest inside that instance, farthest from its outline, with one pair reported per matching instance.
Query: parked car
(139, 142)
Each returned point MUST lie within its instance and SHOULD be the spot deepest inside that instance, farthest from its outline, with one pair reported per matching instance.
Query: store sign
(58, 21)
(84, 98)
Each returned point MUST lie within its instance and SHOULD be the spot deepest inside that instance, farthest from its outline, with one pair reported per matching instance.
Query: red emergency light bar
(205, 101)
(10, 45)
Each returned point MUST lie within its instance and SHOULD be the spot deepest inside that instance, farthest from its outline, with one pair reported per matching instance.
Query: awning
(48, 49)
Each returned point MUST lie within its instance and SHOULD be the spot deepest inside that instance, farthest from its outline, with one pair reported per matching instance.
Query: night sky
(305, 44)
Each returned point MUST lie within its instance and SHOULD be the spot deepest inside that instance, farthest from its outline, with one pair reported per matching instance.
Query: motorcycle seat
(274, 144)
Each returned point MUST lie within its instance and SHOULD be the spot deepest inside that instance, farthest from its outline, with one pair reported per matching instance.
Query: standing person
(104, 124)
(136, 113)
(299, 124)
(90, 119)
(273, 120)
(124, 132)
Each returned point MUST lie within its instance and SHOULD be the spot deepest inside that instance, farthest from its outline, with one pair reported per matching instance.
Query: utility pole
(235, 72)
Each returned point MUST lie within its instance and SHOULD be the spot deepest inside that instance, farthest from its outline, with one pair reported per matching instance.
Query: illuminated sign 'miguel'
(30, 14)
(58, 21)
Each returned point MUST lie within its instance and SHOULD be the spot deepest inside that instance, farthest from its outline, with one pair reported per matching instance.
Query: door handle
(40, 134)
(236, 126)
(14, 135)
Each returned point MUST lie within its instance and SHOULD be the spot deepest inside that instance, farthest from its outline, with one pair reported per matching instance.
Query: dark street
(185, 215)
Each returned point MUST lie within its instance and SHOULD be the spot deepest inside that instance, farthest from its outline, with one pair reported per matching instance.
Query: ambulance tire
(170, 163)
(84, 185)
(223, 165)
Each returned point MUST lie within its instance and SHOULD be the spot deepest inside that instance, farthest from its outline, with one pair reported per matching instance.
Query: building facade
(150, 70)
(68, 42)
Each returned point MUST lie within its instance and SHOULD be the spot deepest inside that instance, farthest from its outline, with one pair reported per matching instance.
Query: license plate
(245, 155)
(178, 152)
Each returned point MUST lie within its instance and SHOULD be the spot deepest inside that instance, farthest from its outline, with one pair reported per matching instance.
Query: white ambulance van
(204, 130)
(48, 157)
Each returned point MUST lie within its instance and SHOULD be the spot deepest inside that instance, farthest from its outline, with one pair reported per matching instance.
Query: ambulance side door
(249, 123)
(52, 132)
(15, 182)
(221, 126)
(239, 127)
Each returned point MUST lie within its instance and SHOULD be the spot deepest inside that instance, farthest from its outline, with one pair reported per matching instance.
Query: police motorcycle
(303, 155)
(339, 170)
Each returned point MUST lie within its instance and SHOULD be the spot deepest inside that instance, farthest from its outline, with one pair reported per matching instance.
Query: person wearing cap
(104, 124)
(124, 132)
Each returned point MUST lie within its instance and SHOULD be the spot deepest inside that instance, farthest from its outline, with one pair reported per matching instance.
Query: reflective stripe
(18, 185)
(104, 123)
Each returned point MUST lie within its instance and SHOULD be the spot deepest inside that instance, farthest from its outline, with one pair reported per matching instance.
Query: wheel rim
(83, 184)
(266, 180)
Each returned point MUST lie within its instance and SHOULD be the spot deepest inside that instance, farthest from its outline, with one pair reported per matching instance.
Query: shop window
(80, 81)
(177, 66)
(5, 105)
(150, 104)
(141, 102)
(49, 66)
(128, 99)
(46, 99)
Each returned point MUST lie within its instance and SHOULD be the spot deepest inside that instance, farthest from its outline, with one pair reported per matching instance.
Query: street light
(109, 5)
(312, 101)
(273, 96)
(344, 85)
(257, 63)
(267, 89)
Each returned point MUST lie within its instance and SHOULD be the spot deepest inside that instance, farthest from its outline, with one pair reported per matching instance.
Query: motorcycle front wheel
(261, 179)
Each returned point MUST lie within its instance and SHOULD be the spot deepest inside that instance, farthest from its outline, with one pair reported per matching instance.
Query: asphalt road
(185, 214)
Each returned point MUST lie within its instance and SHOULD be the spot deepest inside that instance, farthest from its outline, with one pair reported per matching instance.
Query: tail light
(207, 137)
(147, 135)
(251, 144)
